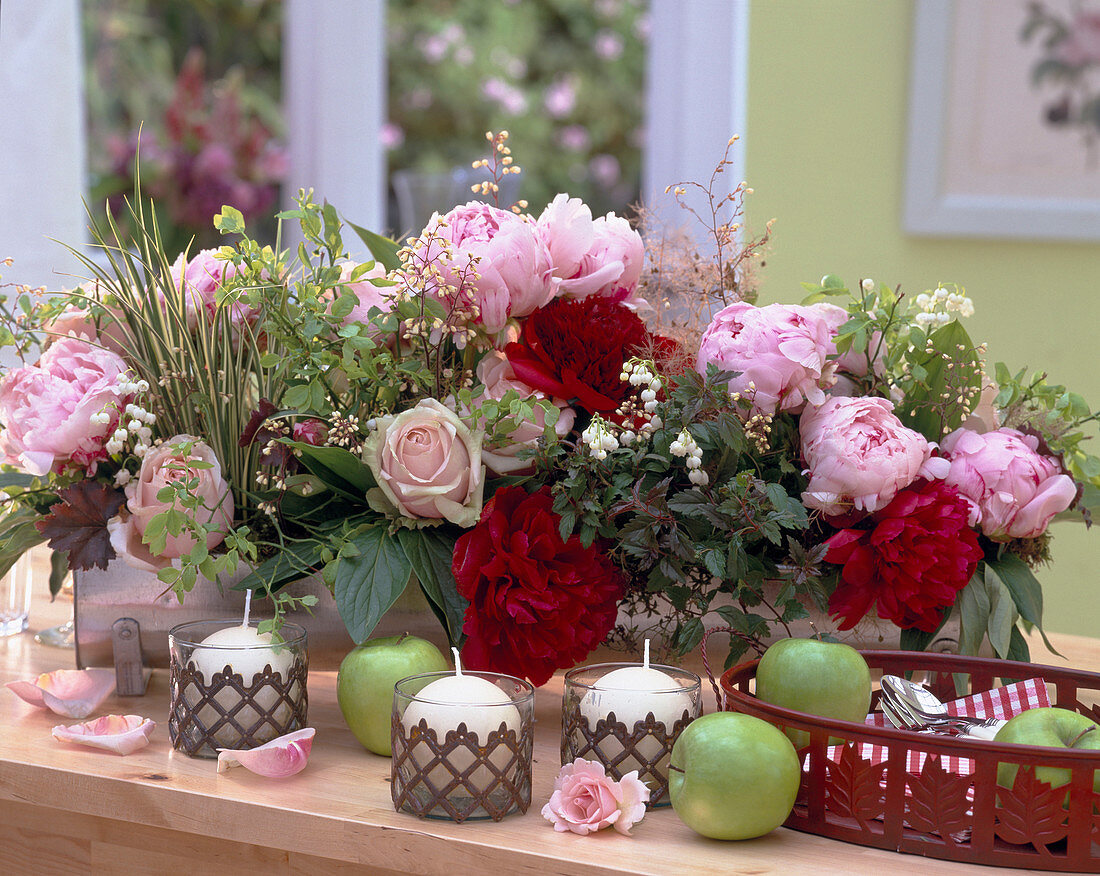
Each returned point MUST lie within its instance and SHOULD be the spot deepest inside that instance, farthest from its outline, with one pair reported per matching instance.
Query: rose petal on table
(73, 693)
(276, 759)
(122, 734)
(28, 692)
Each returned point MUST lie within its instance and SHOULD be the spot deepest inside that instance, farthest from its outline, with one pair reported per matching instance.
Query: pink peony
(591, 257)
(852, 362)
(501, 264)
(198, 279)
(161, 466)
(1082, 45)
(780, 349)
(497, 377)
(858, 455)
(586, 799)
(368, 294)
(51, 410)
(1012, 490)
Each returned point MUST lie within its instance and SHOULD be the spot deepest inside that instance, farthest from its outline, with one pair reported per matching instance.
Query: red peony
(909, 559)
(575, 350)
(537, 604)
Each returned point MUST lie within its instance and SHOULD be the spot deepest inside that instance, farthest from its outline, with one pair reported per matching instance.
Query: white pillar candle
(462, 699)
(631, 693)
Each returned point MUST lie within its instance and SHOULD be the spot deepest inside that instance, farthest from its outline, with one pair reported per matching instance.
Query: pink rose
(586, 799)
(497, 377)
(591, 257)
(858, 455)
(199, 278)
(496, 258)
(169, 462)
(427, 463)
(52, 410)
(1012, 490)
(781, 349)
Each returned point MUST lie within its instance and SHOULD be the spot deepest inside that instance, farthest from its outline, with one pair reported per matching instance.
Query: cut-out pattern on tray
(853, 787)
(938, 801)
(1031, 812)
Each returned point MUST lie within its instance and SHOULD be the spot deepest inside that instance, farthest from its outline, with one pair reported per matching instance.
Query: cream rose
(163, 465)
(427, 463)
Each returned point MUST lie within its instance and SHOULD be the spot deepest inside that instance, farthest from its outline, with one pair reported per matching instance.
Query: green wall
(825, 141)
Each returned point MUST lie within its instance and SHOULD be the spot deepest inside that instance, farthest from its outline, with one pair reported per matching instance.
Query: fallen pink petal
(73, 693)
(122, 734)
(276, 759)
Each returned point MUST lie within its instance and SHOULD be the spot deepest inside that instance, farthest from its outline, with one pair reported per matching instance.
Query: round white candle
(245, 650)
(633, 692)
(457, 699)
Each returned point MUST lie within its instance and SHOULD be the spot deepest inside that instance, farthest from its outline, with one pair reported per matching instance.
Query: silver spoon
(910, 702)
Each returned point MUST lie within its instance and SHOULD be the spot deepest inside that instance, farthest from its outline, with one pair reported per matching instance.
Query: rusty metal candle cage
(975, 817)
(642, 742)
(212, 709)
(442, 769)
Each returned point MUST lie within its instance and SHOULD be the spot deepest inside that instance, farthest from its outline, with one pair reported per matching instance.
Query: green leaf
(430, 552)
(296, 396)
(338, 468)
(229, 221)
(1002, 613)
(1027, 593)
(382, 248)
(1017, 647)
(924, 408)
(15, 479)
(913, 639)
(973, 605)
(59, 568)
(297, 560)
(369, 584)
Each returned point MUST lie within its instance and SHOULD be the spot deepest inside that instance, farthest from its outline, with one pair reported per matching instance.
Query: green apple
(1052, 727)
(821, 678)
(732, 776)
(364, 685)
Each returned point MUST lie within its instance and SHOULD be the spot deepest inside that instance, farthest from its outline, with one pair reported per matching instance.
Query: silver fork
(910, 706)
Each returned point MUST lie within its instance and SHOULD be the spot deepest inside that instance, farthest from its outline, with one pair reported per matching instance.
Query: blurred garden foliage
(201, 80)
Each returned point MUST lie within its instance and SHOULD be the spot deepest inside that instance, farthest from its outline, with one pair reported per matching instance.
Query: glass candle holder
(628, 725)
(464, 760)
(237, 694)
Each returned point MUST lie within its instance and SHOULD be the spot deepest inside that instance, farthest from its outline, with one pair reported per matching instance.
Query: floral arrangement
(520, 416)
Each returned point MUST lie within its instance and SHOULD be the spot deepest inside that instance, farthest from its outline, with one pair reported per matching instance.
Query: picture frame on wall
(1004, 120)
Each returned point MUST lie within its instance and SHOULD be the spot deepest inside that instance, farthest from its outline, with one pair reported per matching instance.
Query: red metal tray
(938, 813)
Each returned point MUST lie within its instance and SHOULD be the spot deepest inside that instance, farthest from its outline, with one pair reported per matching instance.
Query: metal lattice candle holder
(221, 709)
(645, 744)
(461, 777)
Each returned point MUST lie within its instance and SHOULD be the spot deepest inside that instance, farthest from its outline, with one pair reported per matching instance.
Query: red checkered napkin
(1001, 702)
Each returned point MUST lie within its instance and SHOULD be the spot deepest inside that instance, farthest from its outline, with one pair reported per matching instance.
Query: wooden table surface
(67, 809)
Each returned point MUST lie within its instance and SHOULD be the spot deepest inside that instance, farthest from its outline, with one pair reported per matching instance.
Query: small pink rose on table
(1013, 490)
(586, 799)
(179, 458)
